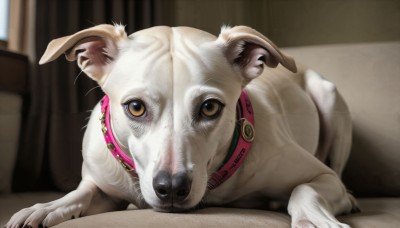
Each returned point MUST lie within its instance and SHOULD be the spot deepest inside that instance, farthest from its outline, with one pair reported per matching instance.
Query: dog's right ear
(94, 49)
(248, 50)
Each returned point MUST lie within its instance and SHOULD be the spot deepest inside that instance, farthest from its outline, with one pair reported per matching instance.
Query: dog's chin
(174, 208)
(171, 208)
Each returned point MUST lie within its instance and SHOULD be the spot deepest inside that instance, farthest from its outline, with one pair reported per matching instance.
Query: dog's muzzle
(172, 189)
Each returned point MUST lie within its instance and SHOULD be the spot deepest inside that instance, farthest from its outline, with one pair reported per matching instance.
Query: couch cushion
(367, 75)
(376, 213)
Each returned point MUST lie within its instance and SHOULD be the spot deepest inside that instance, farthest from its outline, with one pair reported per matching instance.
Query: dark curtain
(61, 98)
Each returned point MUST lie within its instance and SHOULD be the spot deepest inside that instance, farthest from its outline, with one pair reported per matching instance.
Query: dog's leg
(86, 199)
(335, 121)
(323, 93)
(341, 145)
(315, 204)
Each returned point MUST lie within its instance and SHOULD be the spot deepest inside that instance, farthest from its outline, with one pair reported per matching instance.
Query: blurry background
(56, 102)
(295, 22)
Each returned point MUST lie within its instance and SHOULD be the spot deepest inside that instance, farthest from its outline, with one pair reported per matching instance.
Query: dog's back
(308, 101)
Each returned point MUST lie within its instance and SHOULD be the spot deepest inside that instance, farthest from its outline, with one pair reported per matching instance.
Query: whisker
(91, 22)
(91, 90)
(76, 78)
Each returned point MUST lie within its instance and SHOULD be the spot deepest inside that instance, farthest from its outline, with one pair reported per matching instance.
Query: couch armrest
(14, 72)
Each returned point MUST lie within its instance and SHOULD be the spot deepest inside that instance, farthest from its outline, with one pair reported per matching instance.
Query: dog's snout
(172, 188)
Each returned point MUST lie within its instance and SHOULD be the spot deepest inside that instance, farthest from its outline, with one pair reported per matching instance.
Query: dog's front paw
(50, 214)
(315, 204)
(313, 215)
(44, 215)
(305, 223)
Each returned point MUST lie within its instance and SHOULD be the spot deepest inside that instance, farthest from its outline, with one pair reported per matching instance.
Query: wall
(293, 22)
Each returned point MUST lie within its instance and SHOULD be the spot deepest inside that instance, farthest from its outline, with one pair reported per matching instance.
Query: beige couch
(368, 75)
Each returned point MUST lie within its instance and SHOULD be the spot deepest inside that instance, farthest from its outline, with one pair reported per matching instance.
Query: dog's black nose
(172, 188)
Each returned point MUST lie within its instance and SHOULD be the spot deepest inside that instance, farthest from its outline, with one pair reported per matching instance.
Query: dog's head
(173, 95)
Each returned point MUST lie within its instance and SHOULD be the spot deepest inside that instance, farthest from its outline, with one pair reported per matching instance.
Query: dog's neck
(241, 141)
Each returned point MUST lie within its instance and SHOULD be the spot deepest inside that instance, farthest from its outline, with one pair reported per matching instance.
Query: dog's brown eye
(136, 108)
(211, 108)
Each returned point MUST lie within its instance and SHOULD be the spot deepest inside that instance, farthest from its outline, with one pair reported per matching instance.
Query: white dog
(182, 110)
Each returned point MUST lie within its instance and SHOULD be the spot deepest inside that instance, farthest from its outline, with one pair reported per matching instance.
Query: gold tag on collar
(247, 130)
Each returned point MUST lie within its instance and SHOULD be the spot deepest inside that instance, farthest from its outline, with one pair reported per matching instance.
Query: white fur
(173, 70)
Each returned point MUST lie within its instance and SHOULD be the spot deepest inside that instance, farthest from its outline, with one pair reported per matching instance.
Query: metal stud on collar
(103, 123)
(111, 146)
(127, 167)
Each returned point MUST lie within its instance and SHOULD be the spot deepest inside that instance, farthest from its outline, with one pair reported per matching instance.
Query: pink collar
(240, 146)
(112, 144)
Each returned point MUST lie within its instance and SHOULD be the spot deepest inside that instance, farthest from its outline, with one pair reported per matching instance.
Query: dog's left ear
(249, 50)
